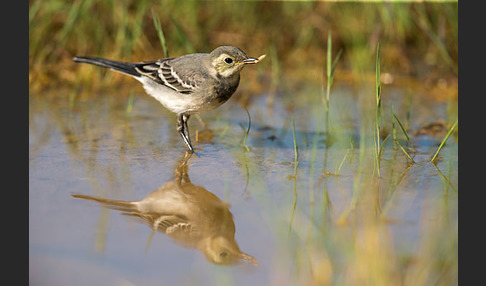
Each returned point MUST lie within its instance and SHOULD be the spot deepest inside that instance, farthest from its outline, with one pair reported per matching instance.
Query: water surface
(327, 219)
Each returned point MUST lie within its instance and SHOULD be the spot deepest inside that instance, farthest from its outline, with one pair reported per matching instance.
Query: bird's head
(223, 251)
(229, 61)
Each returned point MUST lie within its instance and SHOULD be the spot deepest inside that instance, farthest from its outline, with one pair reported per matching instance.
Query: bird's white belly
(175, 101)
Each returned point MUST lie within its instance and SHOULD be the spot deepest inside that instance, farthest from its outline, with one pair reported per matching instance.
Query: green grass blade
(338, 169)
(330, 67)
(395, 139)
(334, 64)
(160, 33)
(382, 145)
(378, 71)
(378, 109)
(443, 141)
(328, 74)
(405, 152)
(394, 129)
(402, 128)
(329, 56)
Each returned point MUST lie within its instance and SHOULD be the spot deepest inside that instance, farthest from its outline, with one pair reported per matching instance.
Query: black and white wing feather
(164, 73)
(176, 226)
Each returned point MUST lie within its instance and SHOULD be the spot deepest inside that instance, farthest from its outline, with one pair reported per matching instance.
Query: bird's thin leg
(185, 118)
(181, 126)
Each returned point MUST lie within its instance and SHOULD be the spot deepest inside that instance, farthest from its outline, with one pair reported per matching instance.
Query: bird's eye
(223, 254)
(228, 60)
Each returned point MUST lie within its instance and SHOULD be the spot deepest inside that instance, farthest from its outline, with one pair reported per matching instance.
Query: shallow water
(329, 219)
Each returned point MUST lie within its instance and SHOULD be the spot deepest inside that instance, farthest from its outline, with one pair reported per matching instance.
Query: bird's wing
(167, 223)
(163, 72)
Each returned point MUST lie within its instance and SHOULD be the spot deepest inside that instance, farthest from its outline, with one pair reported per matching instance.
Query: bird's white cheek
(228, 72)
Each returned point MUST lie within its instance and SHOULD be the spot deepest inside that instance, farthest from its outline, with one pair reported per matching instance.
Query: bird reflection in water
(189, 214)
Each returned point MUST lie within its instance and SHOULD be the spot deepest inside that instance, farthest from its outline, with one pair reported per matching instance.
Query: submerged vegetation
(350, 161)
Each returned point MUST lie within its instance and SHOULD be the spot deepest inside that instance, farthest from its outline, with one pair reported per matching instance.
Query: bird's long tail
(112, 204)
(126, 68)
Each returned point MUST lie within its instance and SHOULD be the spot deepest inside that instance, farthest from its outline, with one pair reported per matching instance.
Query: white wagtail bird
(188, 84)
(189, 214)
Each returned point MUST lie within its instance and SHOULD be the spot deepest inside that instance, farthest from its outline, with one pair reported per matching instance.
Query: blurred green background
(418, 40)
